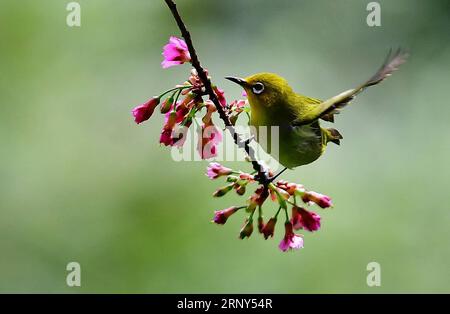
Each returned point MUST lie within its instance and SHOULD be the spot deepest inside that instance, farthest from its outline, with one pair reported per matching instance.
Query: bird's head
(264, 90)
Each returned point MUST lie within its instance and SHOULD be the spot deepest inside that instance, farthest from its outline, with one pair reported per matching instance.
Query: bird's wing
(331, 106)
(314, 101)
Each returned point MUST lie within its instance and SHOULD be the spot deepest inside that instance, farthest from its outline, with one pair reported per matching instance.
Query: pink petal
(167, 64)
(284, 245)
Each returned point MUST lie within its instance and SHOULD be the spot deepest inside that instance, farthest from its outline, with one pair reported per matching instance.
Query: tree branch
(261, 176)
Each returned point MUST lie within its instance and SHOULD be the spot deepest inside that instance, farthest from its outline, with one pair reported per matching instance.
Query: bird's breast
(300, 145)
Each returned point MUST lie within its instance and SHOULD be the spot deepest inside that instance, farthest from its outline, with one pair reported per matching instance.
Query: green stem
(179, 88)
(292, 203)
(250, 217)
(278, 211)
(177, 96)
(287, 215)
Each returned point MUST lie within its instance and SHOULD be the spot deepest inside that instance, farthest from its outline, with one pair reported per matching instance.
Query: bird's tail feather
(391, 64)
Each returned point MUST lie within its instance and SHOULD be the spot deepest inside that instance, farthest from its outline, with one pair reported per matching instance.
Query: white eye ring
(258, 88)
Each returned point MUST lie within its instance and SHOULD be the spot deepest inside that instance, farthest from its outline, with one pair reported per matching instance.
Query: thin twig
(262, 176)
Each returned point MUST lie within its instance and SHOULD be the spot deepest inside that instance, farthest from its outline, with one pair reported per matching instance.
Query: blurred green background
(79, 181)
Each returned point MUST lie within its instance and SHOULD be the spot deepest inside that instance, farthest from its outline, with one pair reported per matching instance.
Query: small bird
(301, 138)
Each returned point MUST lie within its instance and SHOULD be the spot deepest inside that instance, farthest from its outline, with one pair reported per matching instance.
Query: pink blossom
(144, 112)
(240, 103)
(320, 199)
(175, 52)
(291, 188)
(220, 96)
(166, 134)
(179, 135)
(210, 137)
(172, 133)
(216, 170)
(290, 240)
(304, 219)
(221, 216)
(247, 176)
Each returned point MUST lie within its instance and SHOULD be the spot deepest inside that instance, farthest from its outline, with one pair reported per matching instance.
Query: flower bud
(269, 228)
(222, 191)
(320, 199)
(221, 216)
(144, 112)
(246, 176)
(166, 134)
(166, 105)
(216, 170)
(232, 179)
(240, 188)
(220, 96)
(257, 199)
(260, 224)
(247, 229)
(290, 188)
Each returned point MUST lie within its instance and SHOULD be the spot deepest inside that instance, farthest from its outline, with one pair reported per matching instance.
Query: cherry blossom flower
(216, 170)
(220, 96)
(304, 219)
(166, 134)
(290, 240)
(210, 136)
(175, 52)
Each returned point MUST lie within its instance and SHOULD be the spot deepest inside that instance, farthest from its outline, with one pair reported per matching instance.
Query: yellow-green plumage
(279, 106)
(301, 138)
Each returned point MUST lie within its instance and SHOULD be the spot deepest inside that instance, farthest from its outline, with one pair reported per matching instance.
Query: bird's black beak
(237, 80)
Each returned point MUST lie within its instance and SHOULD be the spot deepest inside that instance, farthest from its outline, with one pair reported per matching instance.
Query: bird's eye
(258, 88)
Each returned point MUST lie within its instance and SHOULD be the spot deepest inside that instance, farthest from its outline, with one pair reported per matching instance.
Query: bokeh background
(79, 181)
